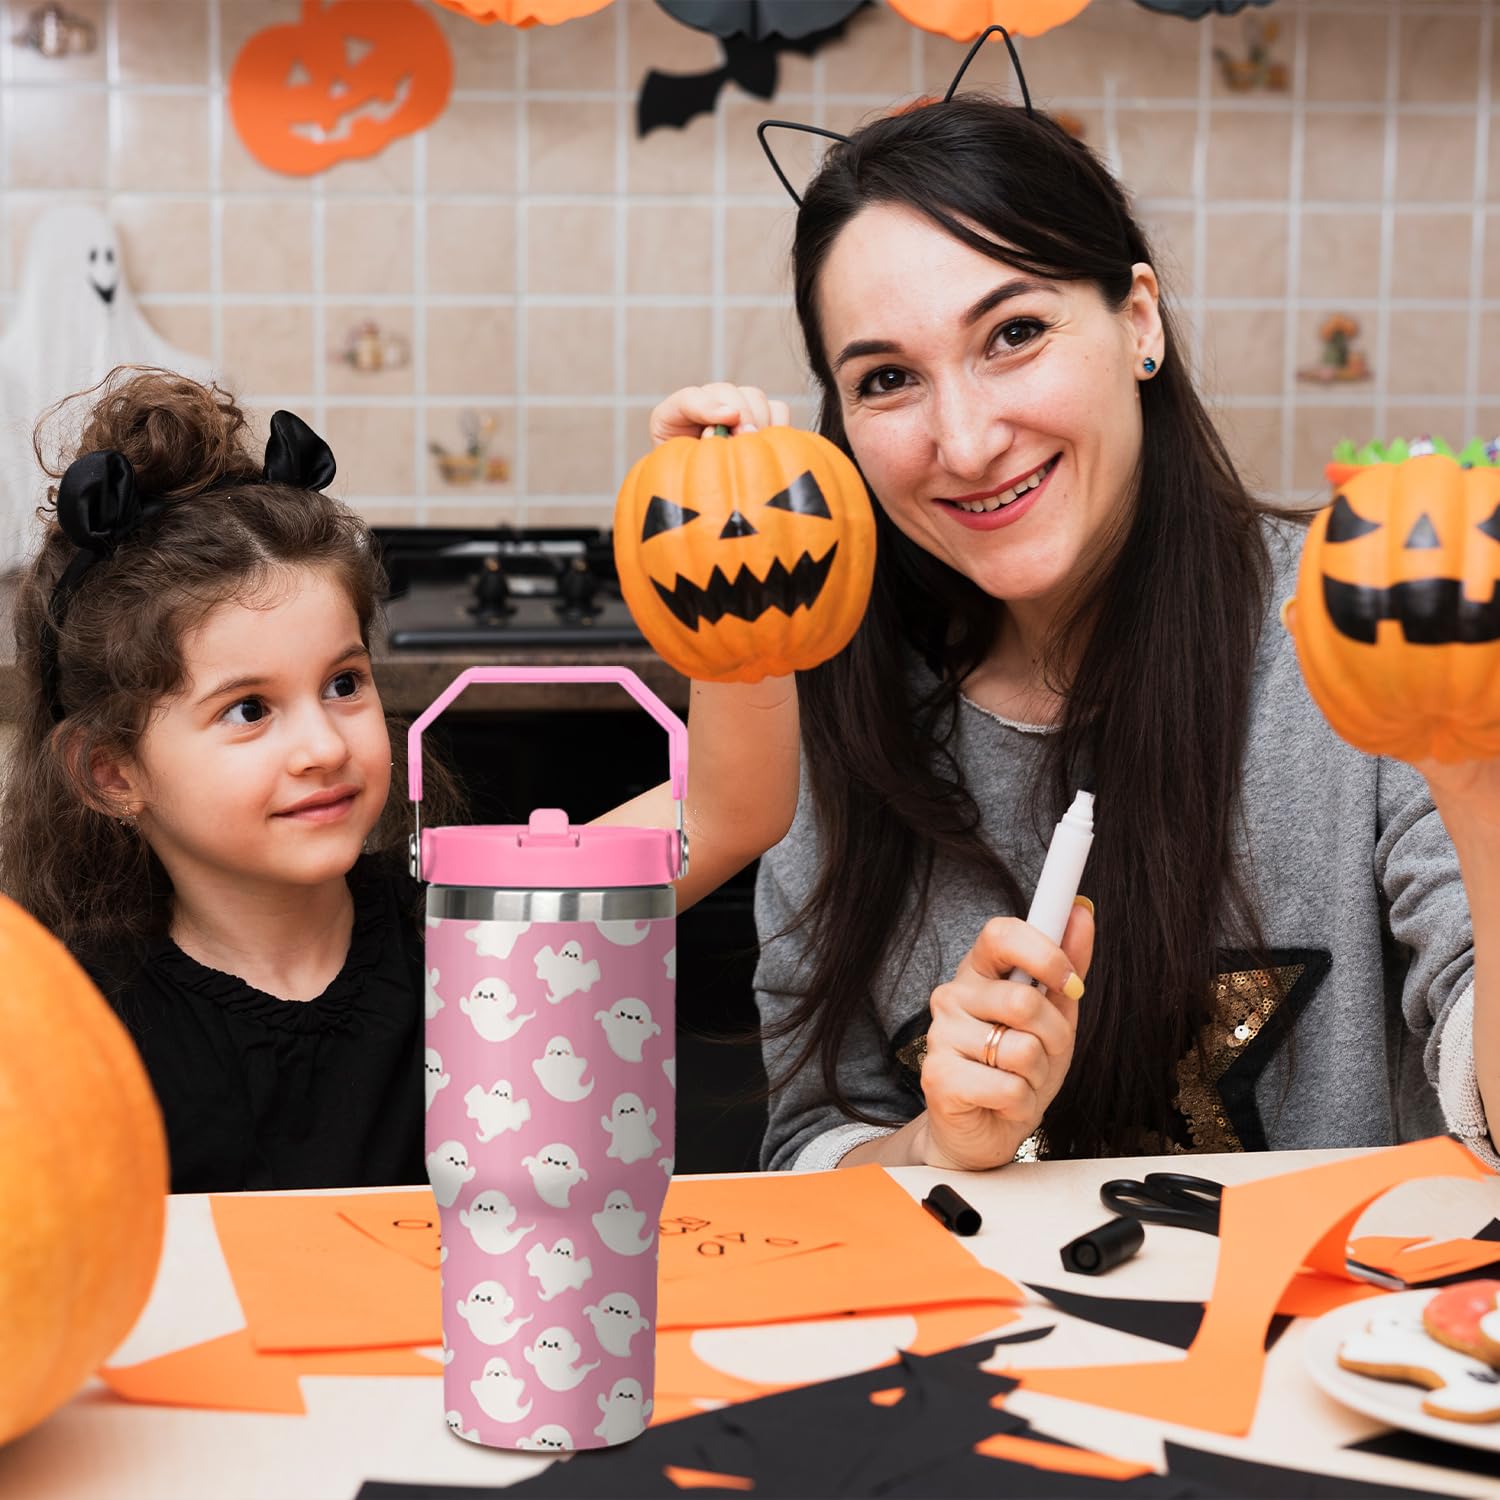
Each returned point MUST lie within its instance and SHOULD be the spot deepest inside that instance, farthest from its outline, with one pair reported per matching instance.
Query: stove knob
(492, 594)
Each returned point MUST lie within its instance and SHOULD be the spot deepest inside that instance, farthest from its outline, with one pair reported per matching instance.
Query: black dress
(259, 1092)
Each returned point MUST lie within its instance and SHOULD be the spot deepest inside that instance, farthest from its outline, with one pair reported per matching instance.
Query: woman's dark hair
(225, 534)
(1155, 705)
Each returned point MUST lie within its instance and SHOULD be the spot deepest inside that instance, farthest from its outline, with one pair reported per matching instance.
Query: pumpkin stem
(720, 430)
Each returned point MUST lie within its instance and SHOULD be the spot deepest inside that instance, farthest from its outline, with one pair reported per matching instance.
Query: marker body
(1061, 873)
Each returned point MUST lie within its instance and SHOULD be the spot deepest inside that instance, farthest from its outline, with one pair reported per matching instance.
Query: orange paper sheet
(1311, 1295)
(307, 1278)
(1267, 1231)
(701, 1479)
(230, 1374)
(404, 1222)
(892, 1255)
(1057, 1459)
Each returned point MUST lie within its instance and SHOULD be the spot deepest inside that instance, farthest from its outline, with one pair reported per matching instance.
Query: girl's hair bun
(181, 438)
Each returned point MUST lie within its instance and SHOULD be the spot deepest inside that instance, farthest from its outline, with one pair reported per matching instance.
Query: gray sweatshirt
(1363, 912)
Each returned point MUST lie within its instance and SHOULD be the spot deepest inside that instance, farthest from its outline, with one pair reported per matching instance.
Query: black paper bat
(676, 98)
(759, 19)
(1195, 10)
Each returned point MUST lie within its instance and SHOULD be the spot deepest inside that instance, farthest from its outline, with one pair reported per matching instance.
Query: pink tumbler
(551, 1102)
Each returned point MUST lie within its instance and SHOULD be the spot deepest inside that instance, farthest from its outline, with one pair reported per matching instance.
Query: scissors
(1166, 1198)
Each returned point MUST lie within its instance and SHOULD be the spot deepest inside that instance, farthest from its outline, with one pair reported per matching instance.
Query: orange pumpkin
(748, 556)
(1397, 611)
(524, 13)
(83, 1175)
(963, 20)
(343, 82)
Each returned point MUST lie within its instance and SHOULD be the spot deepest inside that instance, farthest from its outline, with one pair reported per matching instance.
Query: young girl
(206, 803)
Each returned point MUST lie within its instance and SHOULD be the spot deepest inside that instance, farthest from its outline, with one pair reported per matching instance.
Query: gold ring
(992, 1044)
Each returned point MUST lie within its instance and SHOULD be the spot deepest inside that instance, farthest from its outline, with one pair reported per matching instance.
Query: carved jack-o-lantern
(343, 82)
(748, 556)
(1397, 612)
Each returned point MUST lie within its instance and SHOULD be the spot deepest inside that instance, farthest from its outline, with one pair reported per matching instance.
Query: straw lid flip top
(548, 853)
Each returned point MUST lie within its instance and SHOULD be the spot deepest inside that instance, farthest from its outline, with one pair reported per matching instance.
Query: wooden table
(98, 1448)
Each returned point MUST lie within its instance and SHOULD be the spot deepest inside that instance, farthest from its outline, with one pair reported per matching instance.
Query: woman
(1073, 582)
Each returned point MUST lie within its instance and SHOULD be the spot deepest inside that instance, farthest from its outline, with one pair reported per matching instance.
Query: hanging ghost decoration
(74, 319)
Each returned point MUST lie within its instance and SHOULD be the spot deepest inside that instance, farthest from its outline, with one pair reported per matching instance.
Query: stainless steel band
(467, 903)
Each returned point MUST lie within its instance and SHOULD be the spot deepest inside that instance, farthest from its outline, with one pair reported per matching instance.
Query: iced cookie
(1463, 1317)
(1395, 1347)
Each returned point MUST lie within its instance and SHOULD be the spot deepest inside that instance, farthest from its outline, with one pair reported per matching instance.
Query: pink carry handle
(677, 740)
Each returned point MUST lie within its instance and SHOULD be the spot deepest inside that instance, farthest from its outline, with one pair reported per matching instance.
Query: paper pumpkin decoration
(523, 13)
(74, 319)
(747, 556)
(1397, 610)
(83, 1170)
(963, 20)
(342, 82)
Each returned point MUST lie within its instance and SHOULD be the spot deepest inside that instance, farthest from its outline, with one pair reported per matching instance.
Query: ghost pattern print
(551, 1108)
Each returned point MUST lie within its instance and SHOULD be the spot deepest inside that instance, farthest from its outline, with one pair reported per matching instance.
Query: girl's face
(995, 415)
(274, 761)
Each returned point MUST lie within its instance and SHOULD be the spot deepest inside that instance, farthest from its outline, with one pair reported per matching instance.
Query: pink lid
(548, 854)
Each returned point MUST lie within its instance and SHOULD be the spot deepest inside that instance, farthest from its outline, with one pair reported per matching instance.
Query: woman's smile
(1003, 507)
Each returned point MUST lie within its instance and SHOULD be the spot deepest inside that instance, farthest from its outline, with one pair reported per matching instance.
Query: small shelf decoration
(340, 83)
(474, 463)
(1257, 69)
(369, 350)
(55, 32)
(1340, 360)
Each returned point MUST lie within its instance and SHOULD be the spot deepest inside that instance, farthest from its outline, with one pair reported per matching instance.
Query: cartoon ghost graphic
(495, 939)
(499, 1393)
(670, 960)
(616, 1319)
(491, 1006)
(488, 1313)
(625, 1409)
(554, 1173)
(565, 971)
(627, 1027)
(559, 1269)
(448, 1169)
(433, 1002)
(496, 1110)
(628, 1125)
(623, 934)
(619, 1225)
(666, 1163)
(554, 1355)
(669, 1067)
(434, 1080)
(489, 1219)
(548, 1438)
(455, 1423)
(561, 1073)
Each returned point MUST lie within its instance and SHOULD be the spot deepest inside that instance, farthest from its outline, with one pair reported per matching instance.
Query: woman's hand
(696, 410)
(977, 1116)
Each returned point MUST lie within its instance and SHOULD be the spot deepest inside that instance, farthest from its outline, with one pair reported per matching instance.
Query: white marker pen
(1061, 873)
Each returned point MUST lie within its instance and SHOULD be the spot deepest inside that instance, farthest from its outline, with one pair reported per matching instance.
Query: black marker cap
(951, 1211)
(1104, 1248)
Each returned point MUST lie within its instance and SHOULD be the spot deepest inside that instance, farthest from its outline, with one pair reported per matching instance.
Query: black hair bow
(99, 505)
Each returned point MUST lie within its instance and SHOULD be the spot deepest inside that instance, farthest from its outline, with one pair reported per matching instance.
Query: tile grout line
(623, 126)
(1387, 224)
(216, 110)
(1290, 321)
(1479, 226)
(421, 466)
(521, 477)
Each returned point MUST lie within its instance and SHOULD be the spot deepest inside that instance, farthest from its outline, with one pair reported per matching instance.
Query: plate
(1389, 1401)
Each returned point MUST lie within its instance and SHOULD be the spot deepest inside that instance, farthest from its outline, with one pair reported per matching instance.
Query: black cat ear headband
(99, 506)
(833, 135)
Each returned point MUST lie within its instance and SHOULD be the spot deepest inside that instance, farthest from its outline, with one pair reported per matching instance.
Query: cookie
(1464, 1317)
(1395, 1347)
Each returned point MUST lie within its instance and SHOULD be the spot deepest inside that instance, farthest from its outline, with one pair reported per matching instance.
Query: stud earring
(1149, 365)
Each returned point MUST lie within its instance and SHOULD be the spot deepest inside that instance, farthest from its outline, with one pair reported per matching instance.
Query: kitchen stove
(466, 589)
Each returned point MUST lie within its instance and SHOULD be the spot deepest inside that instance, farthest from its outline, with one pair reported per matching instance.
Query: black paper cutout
(1249, 1480)
(677, 98)
(1418, 1448)
(1172, 1323)
(1491, 1231)
(1195, 10)
(759, 19)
